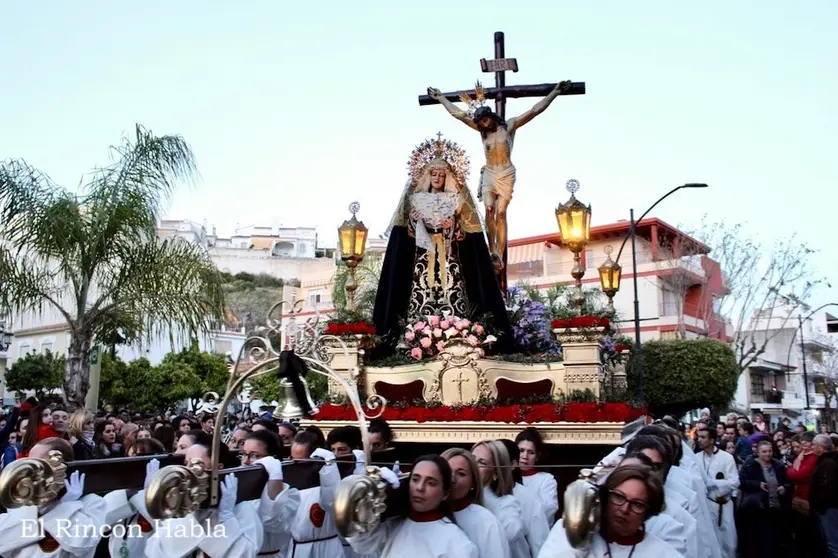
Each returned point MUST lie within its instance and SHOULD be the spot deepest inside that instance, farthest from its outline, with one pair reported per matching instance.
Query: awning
(525, 253)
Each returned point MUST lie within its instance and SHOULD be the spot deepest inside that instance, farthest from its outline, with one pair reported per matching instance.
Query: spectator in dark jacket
(766, 498)
(823, 496)
(743, 446)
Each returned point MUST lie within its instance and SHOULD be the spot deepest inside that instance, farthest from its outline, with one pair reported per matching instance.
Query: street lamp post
(615, 269)
(353, 242)
(5, 334)
(574, 219)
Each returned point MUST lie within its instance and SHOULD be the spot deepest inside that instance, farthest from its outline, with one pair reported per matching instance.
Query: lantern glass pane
(360, 241)
(346, 239)
(605, 277)
(577, 224)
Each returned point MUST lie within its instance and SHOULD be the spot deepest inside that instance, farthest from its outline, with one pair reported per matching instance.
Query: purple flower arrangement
(530, 321)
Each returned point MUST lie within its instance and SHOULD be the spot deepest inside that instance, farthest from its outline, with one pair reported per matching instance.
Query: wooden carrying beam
(509, 92)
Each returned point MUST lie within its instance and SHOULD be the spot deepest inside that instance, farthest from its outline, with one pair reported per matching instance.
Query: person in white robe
(72, 526)
(131, 524)
(538, 529)
(430, 530)
(230, 531)
(278, 503)
(722, 478)
(634, 495)
(542, 485)
(478, 523)
(496, 477)
(313, 530)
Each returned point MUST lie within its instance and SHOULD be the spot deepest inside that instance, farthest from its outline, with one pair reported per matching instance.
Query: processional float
(290, 351)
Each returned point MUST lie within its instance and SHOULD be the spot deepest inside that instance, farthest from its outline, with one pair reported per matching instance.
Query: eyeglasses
(252, 456)
(635, 506)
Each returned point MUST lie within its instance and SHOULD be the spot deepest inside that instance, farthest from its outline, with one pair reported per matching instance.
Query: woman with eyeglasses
(631, 495)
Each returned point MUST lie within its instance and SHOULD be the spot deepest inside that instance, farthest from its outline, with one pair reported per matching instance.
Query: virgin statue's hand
(414, 215)
(447, 224)
(459, 236)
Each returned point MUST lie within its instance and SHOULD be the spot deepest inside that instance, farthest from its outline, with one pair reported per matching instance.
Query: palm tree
(93, 256)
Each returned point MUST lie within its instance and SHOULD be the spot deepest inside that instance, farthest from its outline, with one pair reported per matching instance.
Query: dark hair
(349, 435)
(514, 457)
(531, 434)
(180, 418)
(269, 440)
(165, 434)
(654, 487)
(748, 428)
(380, 426)
(484, 112)
(444, 472)
(640, 456)
(308, 439)
(807, 436)
(671, 422)
(321, 438)
(267, 425)
(199, 438)
(711, 432)
(288, 425)
(148, 446)
(730, 425)
(36, 419)
(207, 417)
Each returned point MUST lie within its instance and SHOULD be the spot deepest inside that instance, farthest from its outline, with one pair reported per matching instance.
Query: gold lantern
(574, 218)
(353, 243)
(610, 273)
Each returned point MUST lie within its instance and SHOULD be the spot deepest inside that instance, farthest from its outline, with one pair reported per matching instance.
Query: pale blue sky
(293, 112)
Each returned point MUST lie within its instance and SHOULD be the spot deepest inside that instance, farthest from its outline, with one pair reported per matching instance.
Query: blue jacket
(10, 454)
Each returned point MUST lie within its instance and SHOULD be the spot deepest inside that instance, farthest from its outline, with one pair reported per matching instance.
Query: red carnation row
(620, 347)
(581, 321)
(355, 328)
(531, 414)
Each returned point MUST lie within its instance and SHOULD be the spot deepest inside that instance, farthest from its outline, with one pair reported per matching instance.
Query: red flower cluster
(530, 414)
(581, 321)
(620, 347)
(355, 328)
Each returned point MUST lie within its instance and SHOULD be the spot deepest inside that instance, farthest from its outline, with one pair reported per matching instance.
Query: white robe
(239, 537)
(136, 525)
(484, 530)
(308, 540)
(693, 480)
(544, 487)
(534, 520)
(403, 538)
(721, 464)
(20, 530)
(669, 531)
(511, 516)
(557, 546)
(276, 516)
(709, 545)
(676, 508)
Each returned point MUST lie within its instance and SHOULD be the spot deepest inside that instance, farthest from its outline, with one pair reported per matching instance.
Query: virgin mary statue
(437, 261)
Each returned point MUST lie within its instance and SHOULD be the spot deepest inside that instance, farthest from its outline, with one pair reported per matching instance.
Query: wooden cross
(500, 92)
(460, 381)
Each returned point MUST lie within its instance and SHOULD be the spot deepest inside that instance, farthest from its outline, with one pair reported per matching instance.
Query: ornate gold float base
(471, 432)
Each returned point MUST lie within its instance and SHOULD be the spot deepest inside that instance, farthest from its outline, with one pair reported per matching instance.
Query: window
(315, 297)
(670, 305)
(46, 346)
(23, 350)
(590, 262)
(758, 385)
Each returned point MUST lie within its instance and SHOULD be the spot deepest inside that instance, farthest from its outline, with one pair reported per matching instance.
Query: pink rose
(409, 336)
(472, 340)
(450, 332)
(460, 325)
(466, 324)
(419, 326)
(440, 346)
(416, 353)
(433, 320)
(479, 329)
(427, 331)
(481, 352)
(438, 333)
(445, 324)
(425, 342)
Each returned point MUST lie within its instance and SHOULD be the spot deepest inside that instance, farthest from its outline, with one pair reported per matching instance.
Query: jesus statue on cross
(497, 177)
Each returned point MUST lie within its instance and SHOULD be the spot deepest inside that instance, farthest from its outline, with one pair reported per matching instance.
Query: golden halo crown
(430, 151)
(478, 101)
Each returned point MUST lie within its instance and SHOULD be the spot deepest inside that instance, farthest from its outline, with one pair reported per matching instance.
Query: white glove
(75, 488)
(151, 469)
(227, 503)
(396, 468)
(389, 476)
(272, 465)
(360, 462)
(323, 454)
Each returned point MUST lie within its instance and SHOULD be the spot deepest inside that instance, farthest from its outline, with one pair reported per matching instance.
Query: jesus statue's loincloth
(497, 183)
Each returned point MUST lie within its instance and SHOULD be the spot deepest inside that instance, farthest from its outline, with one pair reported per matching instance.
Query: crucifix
(497, 177)
(460, 381)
